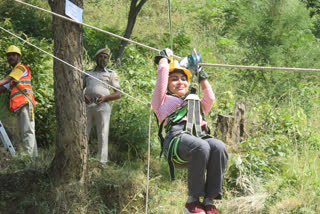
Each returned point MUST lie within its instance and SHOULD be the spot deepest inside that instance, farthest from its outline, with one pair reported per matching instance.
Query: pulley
(191, 61)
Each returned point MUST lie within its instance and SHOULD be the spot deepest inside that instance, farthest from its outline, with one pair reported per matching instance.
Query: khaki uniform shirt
(95, 88)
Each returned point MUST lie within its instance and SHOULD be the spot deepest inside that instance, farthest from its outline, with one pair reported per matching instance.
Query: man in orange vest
(22, 100)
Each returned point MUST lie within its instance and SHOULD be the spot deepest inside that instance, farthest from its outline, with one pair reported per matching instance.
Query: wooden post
(224, 128)
(238, 124)
(230, 129)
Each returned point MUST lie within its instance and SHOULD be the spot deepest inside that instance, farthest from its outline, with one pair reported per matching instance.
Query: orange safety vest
(21, 92)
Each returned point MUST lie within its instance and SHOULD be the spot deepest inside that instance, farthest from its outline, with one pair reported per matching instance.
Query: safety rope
(169, 12)
(175, 56)
(149, 148)
(72, 66)
(90, 26)
(261, 67)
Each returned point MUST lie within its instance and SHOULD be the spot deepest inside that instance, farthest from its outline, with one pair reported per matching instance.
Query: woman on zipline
(204, 156)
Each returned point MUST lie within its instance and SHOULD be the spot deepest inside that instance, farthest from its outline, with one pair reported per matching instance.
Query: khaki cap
(103, 50)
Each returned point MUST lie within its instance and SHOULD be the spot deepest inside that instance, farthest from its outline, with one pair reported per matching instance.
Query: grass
(300, 178)
(121, 187)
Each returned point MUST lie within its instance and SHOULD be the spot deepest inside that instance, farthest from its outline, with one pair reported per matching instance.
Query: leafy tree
(275, 33)
(135, 8)
(34, 23)
(94, 40)
(313, 5)
(314, 10)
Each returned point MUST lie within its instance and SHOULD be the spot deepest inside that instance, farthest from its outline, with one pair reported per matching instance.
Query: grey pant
(27, 131)
(100, 115)
(207, 160)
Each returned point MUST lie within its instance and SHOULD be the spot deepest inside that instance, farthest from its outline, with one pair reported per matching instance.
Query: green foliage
(94, 40)
(180, 43)
(298, 182)
(40, 66)
(274, 33)
(237, 177)
(135, 79)
(34, 22)
(224, 105)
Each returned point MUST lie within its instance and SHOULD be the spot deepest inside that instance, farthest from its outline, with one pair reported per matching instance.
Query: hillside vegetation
(274, 170)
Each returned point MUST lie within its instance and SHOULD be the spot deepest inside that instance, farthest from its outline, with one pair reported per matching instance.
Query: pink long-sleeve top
(164, 104)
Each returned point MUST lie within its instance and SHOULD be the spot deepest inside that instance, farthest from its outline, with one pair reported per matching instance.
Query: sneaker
(211, 209)
(194, 208)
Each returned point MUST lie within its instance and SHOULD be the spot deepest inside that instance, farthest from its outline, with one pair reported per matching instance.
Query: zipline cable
(149, 148)
(154, 49)
(169, 12)
(80, 23)
(262, 67)
(72, 66)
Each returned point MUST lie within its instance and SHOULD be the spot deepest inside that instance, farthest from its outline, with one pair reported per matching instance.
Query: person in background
(22, 100)
(97, 96)
(205, 157)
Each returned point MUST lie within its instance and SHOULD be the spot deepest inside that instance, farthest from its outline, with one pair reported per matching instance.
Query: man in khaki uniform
(97, 96)
(22, 101)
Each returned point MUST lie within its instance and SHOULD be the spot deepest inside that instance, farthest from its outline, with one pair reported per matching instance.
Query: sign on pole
(73, 11)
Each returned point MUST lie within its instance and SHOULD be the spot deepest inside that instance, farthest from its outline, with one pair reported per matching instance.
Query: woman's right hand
(164, 53)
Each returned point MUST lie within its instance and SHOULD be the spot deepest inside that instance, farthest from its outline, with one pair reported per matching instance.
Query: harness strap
(172, 119)
(197, 118)
(160, 136)
(170, 156)
(190, 115)
(193, 117)
(173, 156)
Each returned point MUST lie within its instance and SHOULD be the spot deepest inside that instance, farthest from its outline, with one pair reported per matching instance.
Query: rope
(90, 26)
(148, 169)
(72, 66)
(177, 57)
(262, 67)
(169, 8)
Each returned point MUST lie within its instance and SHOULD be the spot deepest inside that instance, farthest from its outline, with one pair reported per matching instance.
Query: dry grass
(287, 204)
(246, 204)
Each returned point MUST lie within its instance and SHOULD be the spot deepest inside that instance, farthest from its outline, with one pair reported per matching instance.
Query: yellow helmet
(103, 50)
(175, 65)
(13, 49)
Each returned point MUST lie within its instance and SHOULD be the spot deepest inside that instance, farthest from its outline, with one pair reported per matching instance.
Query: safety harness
(191, 107)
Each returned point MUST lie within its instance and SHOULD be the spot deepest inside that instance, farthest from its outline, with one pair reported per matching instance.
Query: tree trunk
(70, 161)
(231, 129)
(239, 123)
(225, 128)
(133, 13)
